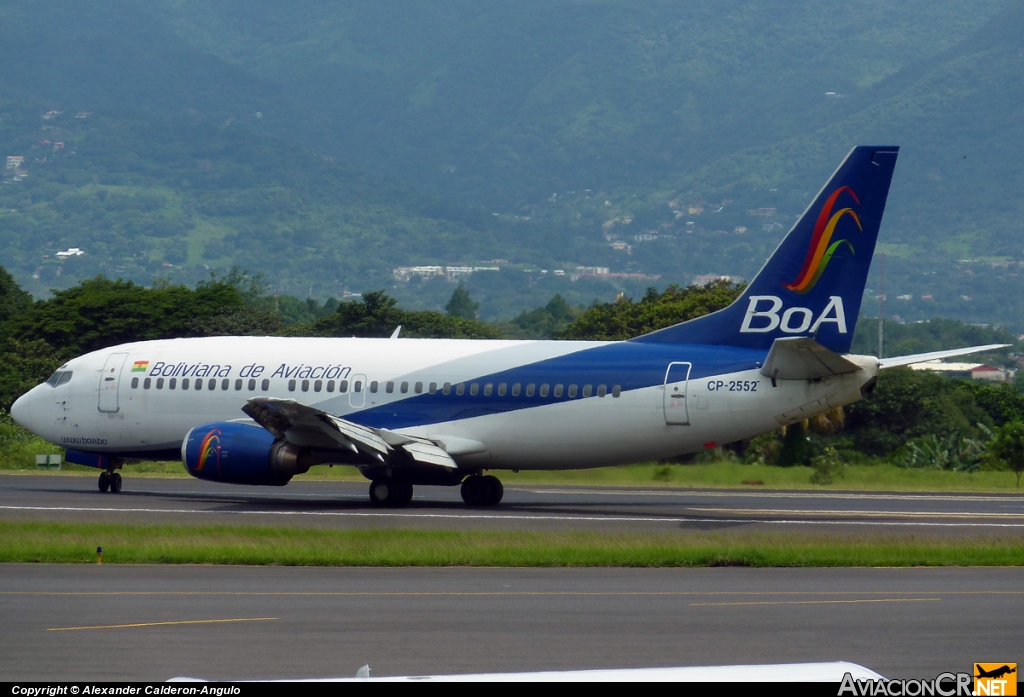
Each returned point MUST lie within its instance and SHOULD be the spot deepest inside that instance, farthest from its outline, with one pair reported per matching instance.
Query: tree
(1008, 445)
(377, 315)
(461, 305)
(626, 319)
(12, 298)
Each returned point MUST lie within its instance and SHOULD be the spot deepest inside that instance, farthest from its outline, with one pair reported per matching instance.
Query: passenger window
(390, 387)
(544, 388)
(199, 384)
(419, 388)
(159, 383)
(291, 385)
(488, 389)
(225, 383)
(238, 385)
(617, 390)
(212, 384)
(502, 388)
(252, 385)
(358, 387)
(433, 388)
(305, 385)
(330, 385)
(184, 383)
(558, 390)
(135, 383)
(405, 387)
(373, 386)
(530, 389)
(447, 389)
(573, 390)
(515, 390)
(602, 390)
(172, 383)
(266, 385)
(460, 389)
(588, 390)
(318, 385)
(343, 386)
(147, 383)
(474, 388)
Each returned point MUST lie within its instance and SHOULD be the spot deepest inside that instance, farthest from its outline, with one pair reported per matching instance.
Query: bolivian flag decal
(140, 366)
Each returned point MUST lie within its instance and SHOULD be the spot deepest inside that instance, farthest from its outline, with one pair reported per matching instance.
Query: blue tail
(814, 282)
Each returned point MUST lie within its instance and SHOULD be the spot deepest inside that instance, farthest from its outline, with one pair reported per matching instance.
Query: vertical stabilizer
(814, 282)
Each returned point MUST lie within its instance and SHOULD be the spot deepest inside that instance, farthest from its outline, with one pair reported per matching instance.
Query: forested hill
(543, 132)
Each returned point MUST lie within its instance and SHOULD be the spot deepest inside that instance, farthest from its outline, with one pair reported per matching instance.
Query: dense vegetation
(214, 134)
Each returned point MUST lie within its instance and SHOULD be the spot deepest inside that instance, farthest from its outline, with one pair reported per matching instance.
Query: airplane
(411, 412)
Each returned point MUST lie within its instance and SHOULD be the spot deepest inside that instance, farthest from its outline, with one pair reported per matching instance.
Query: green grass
(714, 475)
(257, 545)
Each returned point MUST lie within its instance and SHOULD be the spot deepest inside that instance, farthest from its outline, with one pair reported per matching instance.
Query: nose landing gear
(111, 481)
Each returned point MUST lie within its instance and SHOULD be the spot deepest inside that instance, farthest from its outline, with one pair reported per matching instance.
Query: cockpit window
(59, 378)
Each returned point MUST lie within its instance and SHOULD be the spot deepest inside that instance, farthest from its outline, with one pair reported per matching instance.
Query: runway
(89, 622)
(345, 505)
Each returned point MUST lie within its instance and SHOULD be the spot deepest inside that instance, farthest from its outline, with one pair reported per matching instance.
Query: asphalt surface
(345, 505)
(91, 622)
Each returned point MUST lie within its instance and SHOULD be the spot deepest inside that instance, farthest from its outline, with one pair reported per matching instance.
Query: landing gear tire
(104, 483)
(390, 493)
(115, 483)
(494, 490)
(482, 491)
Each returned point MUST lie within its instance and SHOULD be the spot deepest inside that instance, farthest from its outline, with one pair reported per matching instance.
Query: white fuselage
(523, 404)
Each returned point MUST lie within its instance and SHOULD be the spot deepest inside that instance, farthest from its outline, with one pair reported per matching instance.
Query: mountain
(636, 135)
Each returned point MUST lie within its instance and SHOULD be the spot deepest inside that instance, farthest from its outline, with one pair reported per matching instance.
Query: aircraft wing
(935, 355)
(803, 358)
(305, 425)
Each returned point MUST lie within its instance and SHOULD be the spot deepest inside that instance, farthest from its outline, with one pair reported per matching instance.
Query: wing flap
(802, 358)
(296, 422)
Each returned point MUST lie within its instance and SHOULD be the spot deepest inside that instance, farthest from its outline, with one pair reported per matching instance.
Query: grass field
(879, 477)
(258, 545)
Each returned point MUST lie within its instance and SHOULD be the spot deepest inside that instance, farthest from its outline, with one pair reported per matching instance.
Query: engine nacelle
(241, 453)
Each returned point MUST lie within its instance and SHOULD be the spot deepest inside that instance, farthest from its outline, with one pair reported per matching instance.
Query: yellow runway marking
(819, 602)
(162, 624)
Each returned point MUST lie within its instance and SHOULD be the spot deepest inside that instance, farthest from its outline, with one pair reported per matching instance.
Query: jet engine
(241, 453)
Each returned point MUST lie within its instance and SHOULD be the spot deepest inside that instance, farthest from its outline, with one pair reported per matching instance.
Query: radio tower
(881, 309)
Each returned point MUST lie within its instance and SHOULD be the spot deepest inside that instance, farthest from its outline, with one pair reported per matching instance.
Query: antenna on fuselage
(394, 334)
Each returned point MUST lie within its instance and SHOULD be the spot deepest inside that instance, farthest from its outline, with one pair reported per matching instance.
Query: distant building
(15, 161)
(70, 252)
(975, 371)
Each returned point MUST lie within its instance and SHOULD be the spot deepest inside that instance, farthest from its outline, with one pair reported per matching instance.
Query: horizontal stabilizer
(802, 358)
(897, 361)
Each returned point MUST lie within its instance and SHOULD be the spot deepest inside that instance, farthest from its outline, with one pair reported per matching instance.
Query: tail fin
(814, 282)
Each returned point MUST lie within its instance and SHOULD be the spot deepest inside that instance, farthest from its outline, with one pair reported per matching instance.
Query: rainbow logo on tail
(210, 448)
(822, 247)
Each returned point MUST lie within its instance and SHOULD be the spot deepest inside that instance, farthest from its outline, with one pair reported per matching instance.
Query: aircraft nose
(21, 410)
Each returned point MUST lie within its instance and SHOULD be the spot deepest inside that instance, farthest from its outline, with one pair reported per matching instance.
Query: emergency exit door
(675, 402)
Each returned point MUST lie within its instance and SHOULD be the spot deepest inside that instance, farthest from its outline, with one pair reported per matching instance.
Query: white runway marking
(498, 516)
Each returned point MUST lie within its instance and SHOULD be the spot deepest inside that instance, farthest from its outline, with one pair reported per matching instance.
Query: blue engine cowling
(239, 453)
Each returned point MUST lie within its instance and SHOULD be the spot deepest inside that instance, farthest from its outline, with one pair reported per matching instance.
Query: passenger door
(674, 400)
(109, 380)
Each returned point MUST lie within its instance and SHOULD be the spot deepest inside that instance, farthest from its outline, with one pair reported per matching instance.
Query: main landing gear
(110, 481)
(482, 491)
(390, 493)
